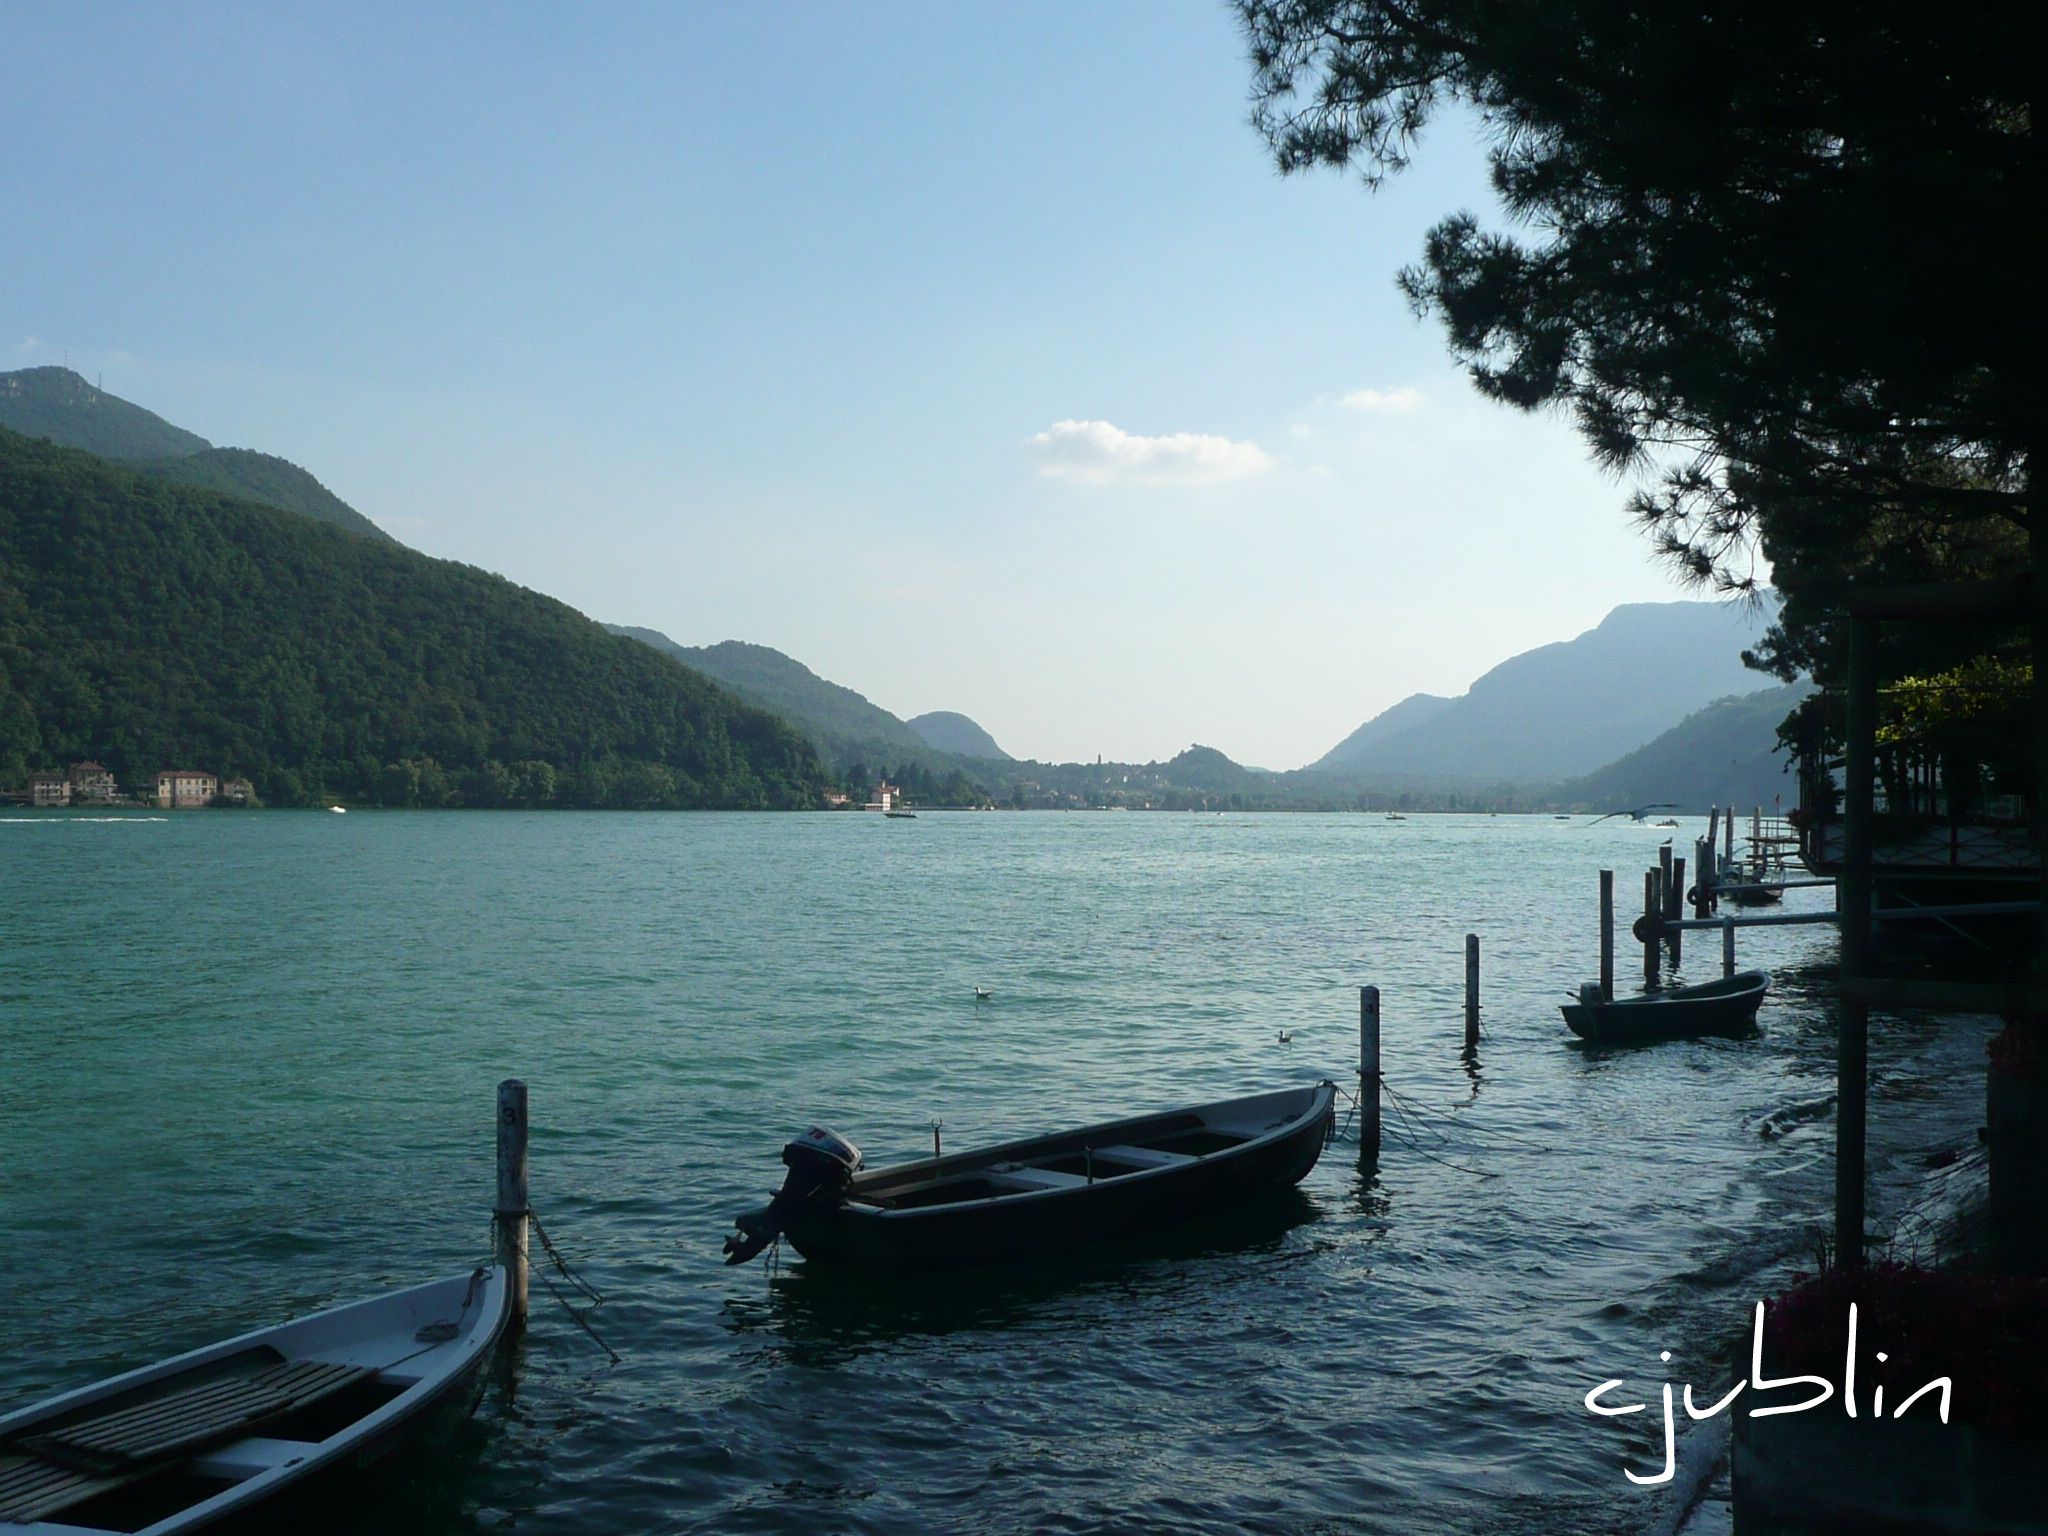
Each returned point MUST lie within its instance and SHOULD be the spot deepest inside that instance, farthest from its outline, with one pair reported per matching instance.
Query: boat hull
(1721, 1007)
(396, 1357)
(1291, 1127)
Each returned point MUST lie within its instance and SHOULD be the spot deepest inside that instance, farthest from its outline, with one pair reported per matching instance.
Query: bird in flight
(1635, 815)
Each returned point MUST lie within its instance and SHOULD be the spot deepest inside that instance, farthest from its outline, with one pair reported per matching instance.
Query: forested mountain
(955, 733)
(64, 407)
(60, 405)
(1726, 754)
(151, 625)
(842, 724)
(1568, 708)
(250, 476)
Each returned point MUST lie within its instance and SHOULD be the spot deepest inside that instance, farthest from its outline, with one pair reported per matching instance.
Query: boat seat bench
(66, 1466)
(1143, 1157)
(1036, 1178)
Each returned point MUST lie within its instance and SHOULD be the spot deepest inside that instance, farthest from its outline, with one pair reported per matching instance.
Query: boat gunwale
(458, 1356)
(1320, 1103)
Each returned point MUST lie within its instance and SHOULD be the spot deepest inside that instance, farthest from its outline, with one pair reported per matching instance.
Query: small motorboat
(1028, 1197)
(901, 815)
(177, 1445)
(1723, 1007)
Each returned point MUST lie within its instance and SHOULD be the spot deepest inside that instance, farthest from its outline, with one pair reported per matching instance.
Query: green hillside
(60, 405)
(843, 725)
(250, 476)
(151, 625)
(949, 731)
(1725, 754)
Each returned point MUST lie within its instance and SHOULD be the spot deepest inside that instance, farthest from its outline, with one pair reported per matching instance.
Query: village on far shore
(176, 789)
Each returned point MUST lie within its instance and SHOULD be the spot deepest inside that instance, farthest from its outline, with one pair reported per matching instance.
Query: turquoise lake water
(250, 1071)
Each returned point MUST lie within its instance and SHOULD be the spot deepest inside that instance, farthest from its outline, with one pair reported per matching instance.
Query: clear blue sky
(973, 355)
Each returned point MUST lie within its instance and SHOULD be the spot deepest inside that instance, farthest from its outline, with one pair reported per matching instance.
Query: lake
(251, 1062)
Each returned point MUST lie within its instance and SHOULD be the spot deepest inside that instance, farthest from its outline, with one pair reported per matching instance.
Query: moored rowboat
(1046, 1192)
(175, 1446)
(1727, 1006)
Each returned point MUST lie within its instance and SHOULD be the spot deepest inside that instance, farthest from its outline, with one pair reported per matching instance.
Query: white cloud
(1405, 398)
(1098, 452)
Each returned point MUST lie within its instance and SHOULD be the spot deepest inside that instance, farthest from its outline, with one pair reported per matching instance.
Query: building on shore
(887, 798)
(182, 788)
(237, 792)
(91, 781)
(49, 789)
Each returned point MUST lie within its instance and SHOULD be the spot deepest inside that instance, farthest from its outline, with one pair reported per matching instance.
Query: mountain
(152, 625)
(950, 732)
(250, 476)
(848, 730)
(60, 405)
(1415, 710)
(1566, 708)
(1725, 754)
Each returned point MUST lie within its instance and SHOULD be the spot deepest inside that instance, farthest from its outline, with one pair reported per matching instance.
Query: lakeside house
(93, 781)
(887, 798)
(183, 788)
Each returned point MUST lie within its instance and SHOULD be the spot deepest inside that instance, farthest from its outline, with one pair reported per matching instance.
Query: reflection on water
(823, 1314)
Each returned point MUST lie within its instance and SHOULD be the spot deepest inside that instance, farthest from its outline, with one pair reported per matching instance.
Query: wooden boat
(1025, 1197)
(177, 1445)
(1761, 895)
(1727, 1006)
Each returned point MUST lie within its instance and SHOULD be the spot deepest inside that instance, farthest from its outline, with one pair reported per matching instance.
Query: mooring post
(1728, 946)
(1674, 908)
(1369, 1073)
(1471, 991)
(513, 1207)
(1649, 928)
(1728, 838)
(1607, 935)
(1702, 877)
(1707, 861)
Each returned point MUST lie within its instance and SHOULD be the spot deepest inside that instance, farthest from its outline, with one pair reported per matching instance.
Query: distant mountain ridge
(62, 406)
(948, 731)
(847, 729)
(1725, 754)
(1567, 708)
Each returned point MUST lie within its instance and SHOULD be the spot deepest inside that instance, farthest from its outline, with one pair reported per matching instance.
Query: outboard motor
(821, 1164)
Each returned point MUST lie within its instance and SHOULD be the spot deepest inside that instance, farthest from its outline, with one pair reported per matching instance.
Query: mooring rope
(1480, 1130)
(554, 1256)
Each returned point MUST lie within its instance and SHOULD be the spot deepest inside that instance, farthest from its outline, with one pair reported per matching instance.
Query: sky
(975, 356)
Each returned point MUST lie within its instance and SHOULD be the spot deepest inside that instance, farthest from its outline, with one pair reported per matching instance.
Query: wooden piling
(1650, 915)
(1710, 874)
(1368, 1073)
(1674, 908)
(1664, 880)
(1702, 877)
(1728, 838)
(1471, 991)
(513, 1207)
(1607, 935)
(1728, 946)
